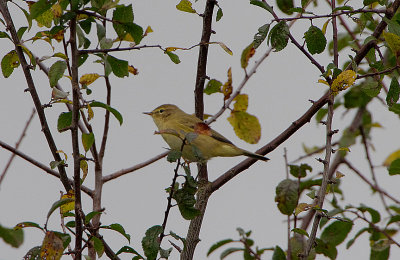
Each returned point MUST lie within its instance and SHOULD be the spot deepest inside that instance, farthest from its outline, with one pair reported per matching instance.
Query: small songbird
(201, 142)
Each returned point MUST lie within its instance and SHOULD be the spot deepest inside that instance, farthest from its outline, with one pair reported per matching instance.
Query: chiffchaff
(201, 142)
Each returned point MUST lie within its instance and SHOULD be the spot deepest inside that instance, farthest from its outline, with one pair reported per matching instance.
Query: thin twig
(17, 145)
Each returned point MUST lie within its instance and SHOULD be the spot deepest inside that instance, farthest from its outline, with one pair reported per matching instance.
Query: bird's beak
(148, 113)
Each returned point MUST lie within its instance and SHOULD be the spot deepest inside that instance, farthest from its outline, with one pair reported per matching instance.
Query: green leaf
(315, 39)
(394, 167)
(120, 229)
(185, 198)
(33, 253)
(355, 97)
(101, 31)
(218, 245)
(185, 6)
(299, 171)
(300, 231)
(260, 36)
(380, 250)
(262, 4)
(279, 36)
(174, 155)
(213, 86)
(136, 31)
(279, 254)
(371, 88)
(87, 140)
(56, 72)
(122, 15)
(229, 251)
(27, 224)
(13, 237)
(64, 121)
(286, 194)
(174, 58)
(165, 253)
(128, 249)
(98, 246)
(393, 219)
(119, 67)
(58, 204)
(368, 2)
(326, 249)
(375, 216)
(393, 93)
(285, 6)
(150, 243)
(359, 233)
(219, 14)
(9, 62)
(336, 233)
(39, 8)
(113, 111)
(395, 109)
(91, 215)
(21, 32)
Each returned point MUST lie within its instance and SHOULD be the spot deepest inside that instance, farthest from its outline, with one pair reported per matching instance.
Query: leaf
(393, 219)
(394, 167)
(174, 155)
(122, 15)
(27, 224)
(213, 86)
(67, 207)
(229, 251)
(260, 36)
(56, 72)
(185, 198)
(247, 53)
(279, 36)
(113, 111)
(33, 253)
(218, 245)
(185, 6)
(9, 62)
(301, 207)
(58, 204)
(393, 41)
(219, 14)
(224, 47)
(300, 231)
(150, 243)
(13, 237)
(359, 233)
(394, 92)
(119, 67)
(326, 249)
(64, 121)
(375, 216)
(227, 87)
(128, 249)
(393, 156)
(286, 195)
(39, 8)
(98, 246)
(371, 88)
(285, 6)
(58, 94)
(133, 70)
(120, 229)
(380, 250)
(21, 32)
(300, 171)
(246, 126)
(343, 81)
(315, 39)
(88, 79)
(395, 109)
(87, 141)
(52, 246)
(262, 4)
(336, 232)
(174, 58)
(241, 102)
(279, 254)
(91, 215)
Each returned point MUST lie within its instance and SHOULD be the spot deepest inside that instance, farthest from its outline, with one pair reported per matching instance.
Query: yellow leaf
(88, 79)
(246, 126)
(246, 55)
(172, 48)
(133, 70)
(58, 94)
(223, 46)
(302, 207)
(346, 149)
(242, 102)
(393, 41)
(59, 36)
(148, 30)
(62, 152)
(185, 6)
(56, 10)
(52, 247)
(45, 19)
(343, 81)
(90, 112)
(85, 169)
(67, 207)
(393, 156)
(323, 82)
(339, 175)
(324, 26)
(227, 87)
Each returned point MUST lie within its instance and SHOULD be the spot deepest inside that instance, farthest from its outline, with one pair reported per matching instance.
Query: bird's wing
(219, 137)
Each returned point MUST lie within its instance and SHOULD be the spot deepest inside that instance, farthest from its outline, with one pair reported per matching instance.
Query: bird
(194, 138)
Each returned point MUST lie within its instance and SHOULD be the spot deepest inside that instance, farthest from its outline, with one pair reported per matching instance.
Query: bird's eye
(161, 111)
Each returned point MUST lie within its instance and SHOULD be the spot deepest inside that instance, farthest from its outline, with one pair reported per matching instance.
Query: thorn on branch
(333, 132)
(213, 32)
(321, 160)
(311, 101)
(332, 181)
(26, 90)
(323, 122)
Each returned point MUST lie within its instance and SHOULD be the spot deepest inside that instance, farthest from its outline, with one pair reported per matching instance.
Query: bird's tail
(255, 156)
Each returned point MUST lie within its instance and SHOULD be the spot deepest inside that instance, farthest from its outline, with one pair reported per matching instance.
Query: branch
(17, 145)
(40, 165)
(118, 49)
(34, 94)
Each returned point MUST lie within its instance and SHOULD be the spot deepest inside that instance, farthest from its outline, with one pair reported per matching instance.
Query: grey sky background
(278, 95)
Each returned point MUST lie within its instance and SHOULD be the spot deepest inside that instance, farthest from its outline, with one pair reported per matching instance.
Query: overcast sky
(278, 95)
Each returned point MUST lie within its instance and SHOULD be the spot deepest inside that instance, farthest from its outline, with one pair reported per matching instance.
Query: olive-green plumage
(174, 125)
